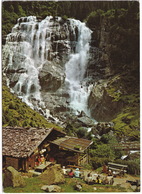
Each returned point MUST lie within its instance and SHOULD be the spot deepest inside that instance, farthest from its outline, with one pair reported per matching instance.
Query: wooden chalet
(71, 150)
(21, 147)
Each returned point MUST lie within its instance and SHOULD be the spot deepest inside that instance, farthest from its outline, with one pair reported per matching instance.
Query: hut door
(20, 164)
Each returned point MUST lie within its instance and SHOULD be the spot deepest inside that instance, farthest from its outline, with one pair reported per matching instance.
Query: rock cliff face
(102, 104)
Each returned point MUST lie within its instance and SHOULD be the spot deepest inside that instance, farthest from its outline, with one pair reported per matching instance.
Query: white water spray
(76, 68)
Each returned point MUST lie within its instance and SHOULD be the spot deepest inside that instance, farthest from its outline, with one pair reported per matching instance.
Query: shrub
(12, 105)
(13, 122)
(94, 18)
(103, 151)
(88, 166)
(107, 138)
(65, 17)
(26, 123)
(3, 120)
(97, 162)
(81, 132)
(133, 165)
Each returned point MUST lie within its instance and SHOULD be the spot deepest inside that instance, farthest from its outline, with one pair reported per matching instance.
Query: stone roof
(73, 143)
(21, 142)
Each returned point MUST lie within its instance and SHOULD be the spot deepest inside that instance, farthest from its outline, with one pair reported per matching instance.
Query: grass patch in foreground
(34, 184)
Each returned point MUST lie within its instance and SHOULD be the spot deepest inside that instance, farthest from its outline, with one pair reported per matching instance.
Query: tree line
(12, 10)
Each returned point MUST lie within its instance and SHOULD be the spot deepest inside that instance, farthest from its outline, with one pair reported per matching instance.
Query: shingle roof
(21, 142)
(72, 143)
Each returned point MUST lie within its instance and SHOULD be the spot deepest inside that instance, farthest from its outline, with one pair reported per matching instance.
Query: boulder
(51, 188)
(78, 186)
(13, 178)
(81, 120)
(86, 121)
(53, 175)
(103, 128)
(108, 180)
(51, 77)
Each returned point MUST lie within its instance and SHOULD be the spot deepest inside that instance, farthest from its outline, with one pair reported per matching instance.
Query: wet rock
(55, 103)
(51, 77)
(13, 178)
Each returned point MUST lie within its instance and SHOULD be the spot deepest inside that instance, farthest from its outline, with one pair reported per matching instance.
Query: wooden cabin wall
(31, 162)
(10, 161)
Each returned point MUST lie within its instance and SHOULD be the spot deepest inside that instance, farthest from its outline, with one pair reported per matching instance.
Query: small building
(71, 150)
(22, 146)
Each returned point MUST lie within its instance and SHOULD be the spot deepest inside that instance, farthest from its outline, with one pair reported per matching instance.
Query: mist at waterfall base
(28, 48)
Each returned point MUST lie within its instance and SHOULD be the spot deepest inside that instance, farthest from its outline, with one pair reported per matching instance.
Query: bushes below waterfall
(103, 151)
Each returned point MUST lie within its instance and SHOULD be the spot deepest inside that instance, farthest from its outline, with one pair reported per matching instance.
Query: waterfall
(33, 44)
(27, 48)
(75, 68)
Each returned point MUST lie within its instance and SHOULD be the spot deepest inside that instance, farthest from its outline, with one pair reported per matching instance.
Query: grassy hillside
(127, 121)
(17, 113)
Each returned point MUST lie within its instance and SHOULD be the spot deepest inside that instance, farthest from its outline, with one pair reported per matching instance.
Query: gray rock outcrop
(13, 178)
(102, 105)
(51, 77)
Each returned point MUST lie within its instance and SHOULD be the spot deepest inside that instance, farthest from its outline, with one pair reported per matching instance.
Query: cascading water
(33, 44)
(76, 68)
(28, 42)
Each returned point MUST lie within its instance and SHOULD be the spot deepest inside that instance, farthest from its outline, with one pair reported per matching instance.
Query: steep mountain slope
(17, 113)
